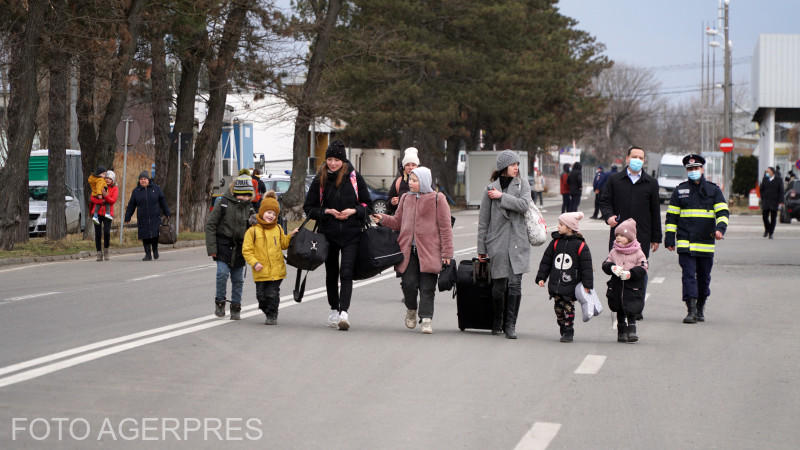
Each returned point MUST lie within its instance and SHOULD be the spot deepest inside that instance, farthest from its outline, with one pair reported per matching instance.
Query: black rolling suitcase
(473, 296)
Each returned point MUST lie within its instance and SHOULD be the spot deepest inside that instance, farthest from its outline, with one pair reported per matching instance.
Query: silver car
(37, 209)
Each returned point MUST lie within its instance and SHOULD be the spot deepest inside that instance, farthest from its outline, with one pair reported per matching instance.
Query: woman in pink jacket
(426, 239)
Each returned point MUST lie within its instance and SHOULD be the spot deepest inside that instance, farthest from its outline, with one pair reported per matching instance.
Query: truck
(670, 174)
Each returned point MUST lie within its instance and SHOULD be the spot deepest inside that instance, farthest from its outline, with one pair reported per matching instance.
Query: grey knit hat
(243, 185)
(506, 158)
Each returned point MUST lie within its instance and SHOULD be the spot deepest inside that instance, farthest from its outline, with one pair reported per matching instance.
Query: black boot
(155, 250)
(512, 309)
(569, 332)
(622, 328)
(691, 308)
(147, 255)
(632, 337)
(701, 303)
(498, 306)
(235, 309)
(219, 307)
(561, 329)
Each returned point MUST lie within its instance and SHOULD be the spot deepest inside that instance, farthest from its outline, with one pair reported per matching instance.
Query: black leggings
(151, 243)
(339, 298)
(102, 229)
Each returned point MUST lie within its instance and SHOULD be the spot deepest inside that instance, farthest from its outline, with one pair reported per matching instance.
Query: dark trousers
(574, 202)
(507, 286)
(564, 308)
(538, 194)
(415, 282)
(102, 230)
(625, 319)
(151, 244)
(268, 294)
(696, 276)
(769, 216)
(566, 200)
(596, 212)
(339, 298)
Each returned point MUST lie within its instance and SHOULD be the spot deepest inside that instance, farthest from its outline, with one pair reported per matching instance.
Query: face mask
(694, 175)
(636, 164)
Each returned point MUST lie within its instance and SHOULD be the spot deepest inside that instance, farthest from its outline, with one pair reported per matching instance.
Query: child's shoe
(622, 332)
(344, 322)
(333, 318)
(632, 337)
(99, 256)
(569, 332)
(427, 327)
(411, 318)
(95, 219)
(271, 320)
(109, 216)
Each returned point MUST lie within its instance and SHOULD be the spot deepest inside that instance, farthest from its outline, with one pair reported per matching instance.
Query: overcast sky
(665, 35)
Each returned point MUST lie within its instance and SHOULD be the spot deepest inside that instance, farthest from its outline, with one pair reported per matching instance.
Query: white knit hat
(411, 156)
(112, 175)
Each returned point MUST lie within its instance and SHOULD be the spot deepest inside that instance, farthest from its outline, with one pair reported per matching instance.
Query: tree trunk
(197, 194)
(57, 145)
(160, 99)
(293, 199)
(87, 132)
(22, 105)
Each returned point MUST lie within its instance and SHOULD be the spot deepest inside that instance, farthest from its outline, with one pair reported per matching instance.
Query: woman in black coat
(575, 183)
(149, 202)
(771, 197)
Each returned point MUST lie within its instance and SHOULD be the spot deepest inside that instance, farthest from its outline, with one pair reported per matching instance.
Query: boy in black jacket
(566, 262)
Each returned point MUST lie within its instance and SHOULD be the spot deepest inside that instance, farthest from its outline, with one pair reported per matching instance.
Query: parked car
(280, 183)
(37, 209)
(380, 198)
(791, 203)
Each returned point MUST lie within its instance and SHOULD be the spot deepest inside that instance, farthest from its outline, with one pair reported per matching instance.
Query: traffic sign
(726, 145)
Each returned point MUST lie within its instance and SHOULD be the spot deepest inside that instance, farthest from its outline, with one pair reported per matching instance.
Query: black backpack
(307, 250)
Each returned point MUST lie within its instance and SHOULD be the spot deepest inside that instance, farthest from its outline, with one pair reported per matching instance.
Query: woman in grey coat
(503, 238)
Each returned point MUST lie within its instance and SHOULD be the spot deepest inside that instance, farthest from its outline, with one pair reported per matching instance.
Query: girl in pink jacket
(426, 239)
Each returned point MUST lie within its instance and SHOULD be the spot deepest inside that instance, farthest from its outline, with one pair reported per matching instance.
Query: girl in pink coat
(426, 239)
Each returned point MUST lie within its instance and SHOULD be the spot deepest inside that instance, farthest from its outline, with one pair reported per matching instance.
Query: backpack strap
(397, 184)
(299, 288)
(580, 249)
(555, 244)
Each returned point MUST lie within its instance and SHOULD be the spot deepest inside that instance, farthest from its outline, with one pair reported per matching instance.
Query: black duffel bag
(377, 250)
(447, 277)
(166, 235)
(307, 250)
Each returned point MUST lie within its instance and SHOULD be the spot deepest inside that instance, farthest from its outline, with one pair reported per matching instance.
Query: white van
(670, 174)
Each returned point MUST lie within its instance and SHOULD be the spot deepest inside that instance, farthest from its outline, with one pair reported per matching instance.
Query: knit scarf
(267, 225)
(628, 256)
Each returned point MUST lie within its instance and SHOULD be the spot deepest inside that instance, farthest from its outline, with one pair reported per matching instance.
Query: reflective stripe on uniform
(707, 248)
(702, 213)
(722, 219)
(682, 244)
(671, 227)
(673, 210)
(720, 206)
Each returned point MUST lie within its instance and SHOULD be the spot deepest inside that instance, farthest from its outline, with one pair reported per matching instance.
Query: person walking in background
(565, 263)
(538, 186)
(575, 185)
(503, 239)
(104, 210)
(338, 200)
(149, 203)
(627, 266)
(565, 198)
(259, 189)
(697, 216)
(771, 199)
(225, 230)
(426, 240)
(400, 184)
(597, 184)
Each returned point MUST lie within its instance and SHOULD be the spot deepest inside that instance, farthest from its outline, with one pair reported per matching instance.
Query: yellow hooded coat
(264, 243)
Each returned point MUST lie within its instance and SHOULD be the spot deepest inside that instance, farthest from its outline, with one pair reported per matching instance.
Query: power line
(689, 66)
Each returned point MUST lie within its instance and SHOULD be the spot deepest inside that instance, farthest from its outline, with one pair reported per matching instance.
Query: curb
(87, 254)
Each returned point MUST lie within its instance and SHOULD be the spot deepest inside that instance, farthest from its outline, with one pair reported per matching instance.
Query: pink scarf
(628, 256)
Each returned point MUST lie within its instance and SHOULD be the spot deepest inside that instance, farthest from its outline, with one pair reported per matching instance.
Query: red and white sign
(726, 145)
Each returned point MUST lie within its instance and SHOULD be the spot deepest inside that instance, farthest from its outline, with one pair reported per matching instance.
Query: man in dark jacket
(597, 184)
(771, 199)
(575, 183)
(149, 203)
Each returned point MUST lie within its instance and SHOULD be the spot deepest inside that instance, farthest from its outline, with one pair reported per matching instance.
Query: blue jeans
(237, 281)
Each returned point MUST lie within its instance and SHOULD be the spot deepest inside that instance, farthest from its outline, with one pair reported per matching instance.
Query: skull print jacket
(566, 262)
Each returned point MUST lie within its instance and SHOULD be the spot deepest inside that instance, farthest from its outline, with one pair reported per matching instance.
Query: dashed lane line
(539, 436)
(26, 297)
(657, 280)
(591, 365)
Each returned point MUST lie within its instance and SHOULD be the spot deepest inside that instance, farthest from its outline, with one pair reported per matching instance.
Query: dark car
(791, 203)
(380, 198)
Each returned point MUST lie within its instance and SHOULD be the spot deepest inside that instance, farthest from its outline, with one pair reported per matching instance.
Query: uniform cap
(693, 160)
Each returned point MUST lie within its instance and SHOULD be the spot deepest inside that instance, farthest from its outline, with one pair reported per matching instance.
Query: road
(115, 354)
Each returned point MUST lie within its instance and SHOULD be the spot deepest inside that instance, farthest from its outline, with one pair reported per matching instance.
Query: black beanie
(144, 174)
(100, 170)
(336, 150)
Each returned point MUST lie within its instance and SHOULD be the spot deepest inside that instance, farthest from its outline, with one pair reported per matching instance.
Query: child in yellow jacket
(99, 187)
(263, 250)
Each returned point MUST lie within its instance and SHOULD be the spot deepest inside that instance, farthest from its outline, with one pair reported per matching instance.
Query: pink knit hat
(627, 228)
(570, 220)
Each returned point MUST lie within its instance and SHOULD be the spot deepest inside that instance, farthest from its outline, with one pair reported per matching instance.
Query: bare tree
(57, 119)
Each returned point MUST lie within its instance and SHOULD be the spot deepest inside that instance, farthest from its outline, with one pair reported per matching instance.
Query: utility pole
(728, 108)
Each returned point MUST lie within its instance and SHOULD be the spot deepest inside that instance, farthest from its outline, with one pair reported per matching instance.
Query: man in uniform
(697, 216)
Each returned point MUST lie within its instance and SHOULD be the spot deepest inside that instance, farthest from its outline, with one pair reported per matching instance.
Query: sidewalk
(90, 254)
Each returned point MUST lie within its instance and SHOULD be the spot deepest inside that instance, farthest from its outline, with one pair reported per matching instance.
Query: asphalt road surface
(128, 354)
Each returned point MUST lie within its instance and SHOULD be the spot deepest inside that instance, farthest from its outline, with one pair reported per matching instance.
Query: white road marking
(591, 365)
(148, 277)
(539, 436)
(657, 280)
(26, 297)
(29, 266)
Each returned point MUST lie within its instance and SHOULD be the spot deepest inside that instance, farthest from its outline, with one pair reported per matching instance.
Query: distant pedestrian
(627, 266)
(426, 240)
(97, 181)
(575, 184)
(696, 217)
(566, 262)
(565, 198)
(538, 186)
(150, 204)
(259, 189)
(503, 239)
(597, 184)
(225, 230)
(771, 200)
(400, 184)
(262, 248)
(103, 207)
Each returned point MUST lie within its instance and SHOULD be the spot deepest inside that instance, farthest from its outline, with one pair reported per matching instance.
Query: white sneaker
(333, 318)
(344, 324)
(411, 318)
(427, 327)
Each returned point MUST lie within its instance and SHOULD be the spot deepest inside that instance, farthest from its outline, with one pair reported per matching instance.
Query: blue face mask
(695, 175)
(636, 164)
